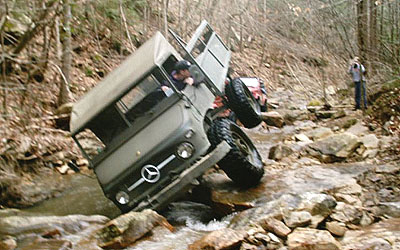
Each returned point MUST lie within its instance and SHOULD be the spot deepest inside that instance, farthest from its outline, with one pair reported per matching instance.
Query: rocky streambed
(330, 183)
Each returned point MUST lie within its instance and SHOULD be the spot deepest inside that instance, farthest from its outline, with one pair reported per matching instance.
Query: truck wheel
(243, 163)
(243, 103)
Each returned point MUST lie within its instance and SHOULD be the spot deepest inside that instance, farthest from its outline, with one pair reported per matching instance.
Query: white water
(183, 236)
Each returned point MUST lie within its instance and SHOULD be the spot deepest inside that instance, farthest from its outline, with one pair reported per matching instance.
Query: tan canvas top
(154, 52)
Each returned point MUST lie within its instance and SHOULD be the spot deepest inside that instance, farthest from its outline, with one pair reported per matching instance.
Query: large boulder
(308, 238)
(128, 228)
(334, 148)
(19, 225)
(219, 240)
(384, 235)
(273, 119)
(279, 151)
(319, 133)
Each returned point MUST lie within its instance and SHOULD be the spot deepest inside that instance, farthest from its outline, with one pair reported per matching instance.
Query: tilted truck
(148, 146)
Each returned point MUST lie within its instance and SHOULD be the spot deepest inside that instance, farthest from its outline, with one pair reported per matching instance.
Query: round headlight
(122, 197)
(185, 150)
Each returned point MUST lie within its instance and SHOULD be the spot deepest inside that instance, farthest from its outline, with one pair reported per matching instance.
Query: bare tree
(65, 94)
(362, 31)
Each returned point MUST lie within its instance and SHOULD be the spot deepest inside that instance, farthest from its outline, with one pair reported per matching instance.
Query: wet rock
(18, 225)
(271, 209)
(220, 239)
(280, 151)
(180, 212)
(346, 213)
(307, 238)
(334, 148)
(8, 243)
(275, 226)
(390, 208)
(273, 119)
(127, 228)
(384, 235)
(256, 235)
(248, 246)
(336, 228)
(297, 219)
(53, 244)
(275, 242)
(317, 203)
(319, 133)
(226, 197)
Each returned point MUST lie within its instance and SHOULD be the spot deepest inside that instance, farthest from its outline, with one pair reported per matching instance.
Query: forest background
(54, 51)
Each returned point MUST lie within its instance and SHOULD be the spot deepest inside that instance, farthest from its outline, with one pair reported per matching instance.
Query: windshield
(133, 110)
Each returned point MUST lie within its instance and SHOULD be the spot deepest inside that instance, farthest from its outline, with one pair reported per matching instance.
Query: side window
(143, 98)
(137, 94)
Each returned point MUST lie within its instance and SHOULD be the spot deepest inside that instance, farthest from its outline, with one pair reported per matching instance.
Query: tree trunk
(165, 14)
(65, 94)
(362, 34)
(372, 33)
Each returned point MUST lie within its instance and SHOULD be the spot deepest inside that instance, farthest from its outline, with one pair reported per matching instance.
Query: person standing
(357, 72)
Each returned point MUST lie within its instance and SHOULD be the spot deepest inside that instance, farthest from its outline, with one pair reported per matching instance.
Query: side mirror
(197, 74)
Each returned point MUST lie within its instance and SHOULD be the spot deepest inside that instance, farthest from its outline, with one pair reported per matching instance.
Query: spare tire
(243, 163)
(243, 103)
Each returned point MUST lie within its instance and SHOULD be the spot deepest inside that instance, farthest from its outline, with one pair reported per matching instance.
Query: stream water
(84, 196)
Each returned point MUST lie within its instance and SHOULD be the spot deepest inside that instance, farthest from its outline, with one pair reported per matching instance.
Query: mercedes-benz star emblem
(150, 173)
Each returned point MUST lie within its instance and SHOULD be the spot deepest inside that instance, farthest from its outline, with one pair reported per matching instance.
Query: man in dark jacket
(180, 77)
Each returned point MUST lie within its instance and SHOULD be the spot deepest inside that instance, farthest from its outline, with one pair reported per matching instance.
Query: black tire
(243, 163)
(243, 103)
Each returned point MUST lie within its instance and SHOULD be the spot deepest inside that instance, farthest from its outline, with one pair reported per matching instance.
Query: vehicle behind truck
(148, 146)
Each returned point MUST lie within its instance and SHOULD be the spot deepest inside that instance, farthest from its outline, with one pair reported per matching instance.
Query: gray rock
(127, 228)
(325, 114)
(8, 243)
(346, 213)
(390, 208)
(334, 148)
(297, 219)
(339, 114)
(370, 141)
(220, 239)
(319, 133)
(273, 119)
(358, 129)
(307, 238)
(275, 226)
(280, 151)
(302, 138)
(384, 235)
(317, 204)
(336, 228)
(17, 225)
(387, 169)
